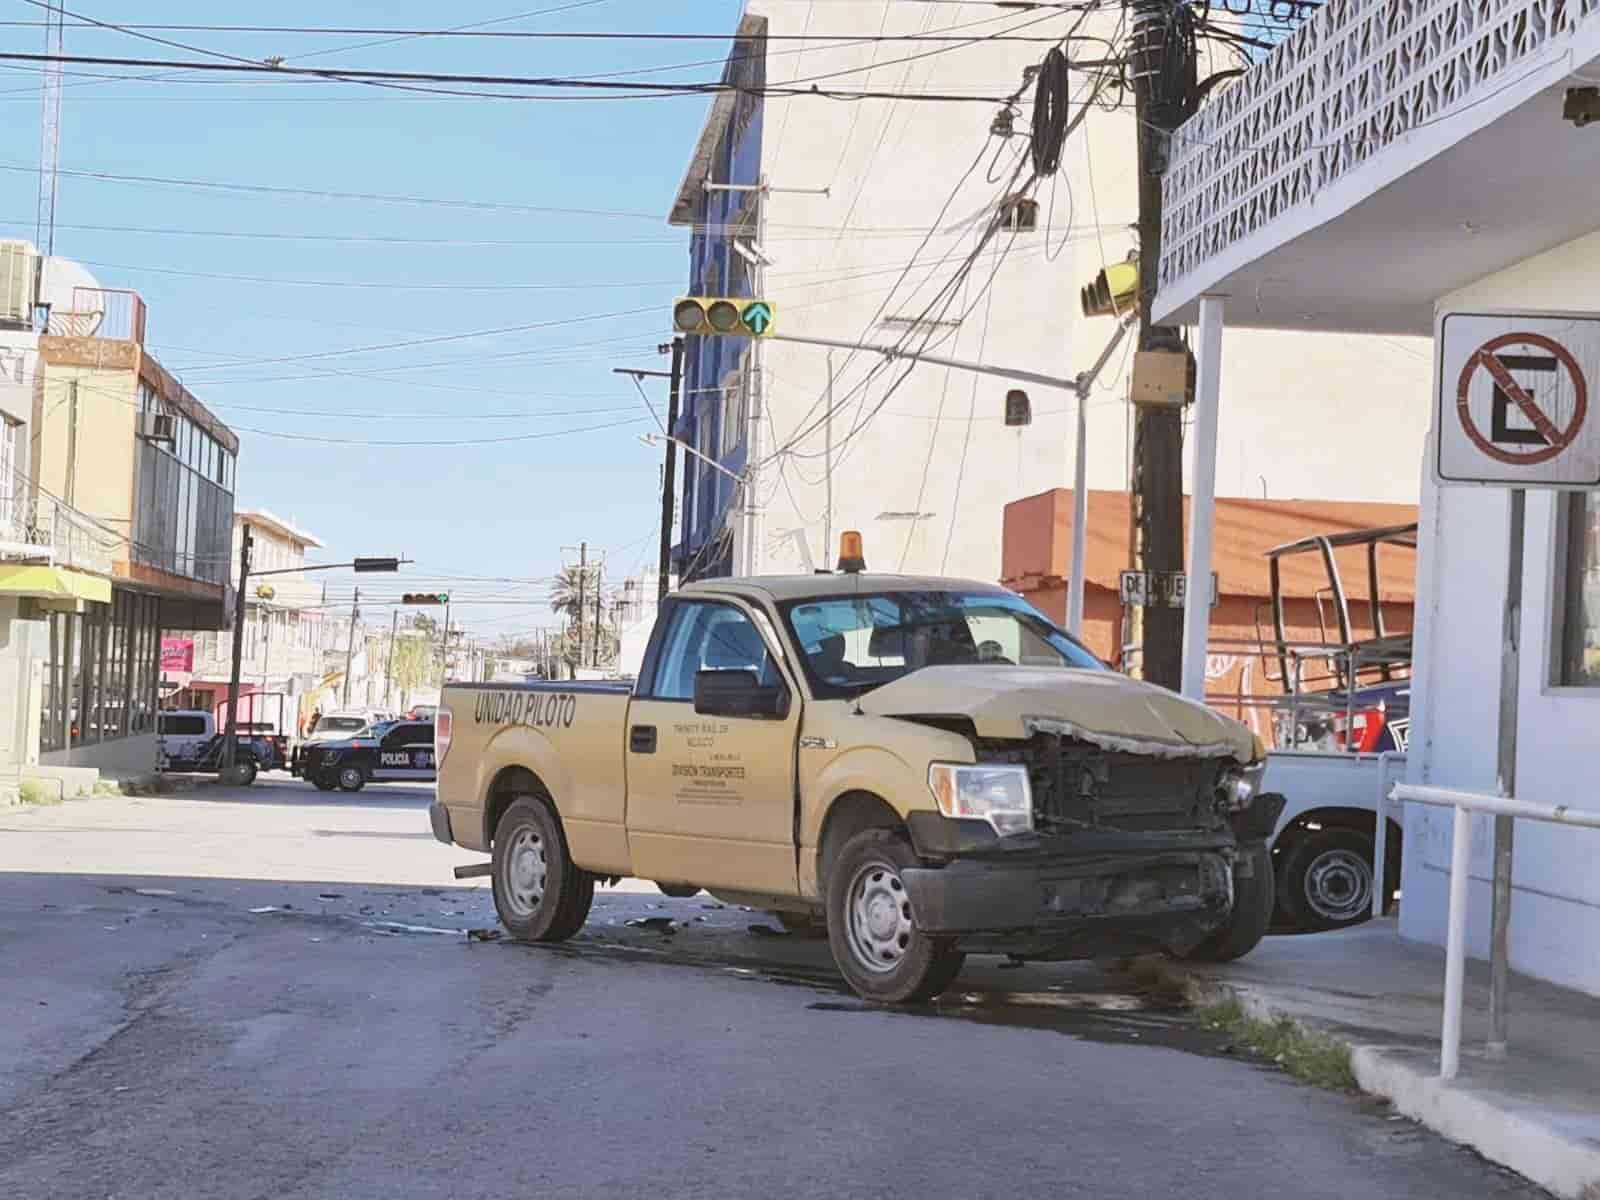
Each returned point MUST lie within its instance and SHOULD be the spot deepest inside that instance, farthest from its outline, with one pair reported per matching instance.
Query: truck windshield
(855, 643)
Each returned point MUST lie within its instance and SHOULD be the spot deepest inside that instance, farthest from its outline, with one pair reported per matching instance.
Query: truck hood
(1099, 707)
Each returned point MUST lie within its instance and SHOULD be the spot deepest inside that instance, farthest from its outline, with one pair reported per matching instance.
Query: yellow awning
(53, 583)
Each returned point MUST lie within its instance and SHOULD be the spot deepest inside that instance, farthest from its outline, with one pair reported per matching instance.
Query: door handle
(642, 739)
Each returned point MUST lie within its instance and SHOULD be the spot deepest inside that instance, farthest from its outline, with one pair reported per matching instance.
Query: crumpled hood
(1099, 707)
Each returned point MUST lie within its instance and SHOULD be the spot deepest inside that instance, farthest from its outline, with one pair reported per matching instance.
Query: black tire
(351, 778)
(1327, 879)
(324, 783)
(1253, 902)
(803, 925)
(540, 894)
(888, 960)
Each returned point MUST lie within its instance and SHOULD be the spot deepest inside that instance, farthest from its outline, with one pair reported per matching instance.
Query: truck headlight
(1237, 786)
(999, 795)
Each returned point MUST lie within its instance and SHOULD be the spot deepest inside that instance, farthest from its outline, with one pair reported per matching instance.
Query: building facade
(119, 497)
(285, 633)
(922, 459)
(1348, 207)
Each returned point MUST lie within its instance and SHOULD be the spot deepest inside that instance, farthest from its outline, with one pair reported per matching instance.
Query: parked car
(1340, 730)
(384, 753)
(190, 744)
(331, 727)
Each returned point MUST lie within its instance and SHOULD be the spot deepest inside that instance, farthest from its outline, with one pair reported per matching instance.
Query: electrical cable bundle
(1050, 101)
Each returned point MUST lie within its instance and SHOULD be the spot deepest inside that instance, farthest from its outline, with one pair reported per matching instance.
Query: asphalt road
(271, 993)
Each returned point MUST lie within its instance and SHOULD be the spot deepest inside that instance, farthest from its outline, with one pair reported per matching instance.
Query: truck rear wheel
(540, 894)
(872, 931)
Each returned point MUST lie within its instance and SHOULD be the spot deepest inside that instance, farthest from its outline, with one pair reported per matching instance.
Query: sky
(238, 318)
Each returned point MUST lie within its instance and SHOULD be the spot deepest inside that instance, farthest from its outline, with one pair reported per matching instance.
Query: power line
(631, 89)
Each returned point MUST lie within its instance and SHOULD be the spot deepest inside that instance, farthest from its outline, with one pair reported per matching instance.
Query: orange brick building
(1037, 557)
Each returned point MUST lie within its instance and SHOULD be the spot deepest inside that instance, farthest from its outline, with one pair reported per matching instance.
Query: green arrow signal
(757, 317)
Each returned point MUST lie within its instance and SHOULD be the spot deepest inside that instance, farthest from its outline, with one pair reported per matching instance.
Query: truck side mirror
(738, 694)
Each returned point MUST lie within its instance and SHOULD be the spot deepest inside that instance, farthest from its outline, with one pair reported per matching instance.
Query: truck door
(711, 799)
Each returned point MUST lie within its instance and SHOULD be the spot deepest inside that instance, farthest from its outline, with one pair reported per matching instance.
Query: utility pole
(388, 663)
(583, 581)
(350, 645)
(1163, 70)
(246, 541)
(72, 444)
(444, 650)
(599, 575)
(669, 477)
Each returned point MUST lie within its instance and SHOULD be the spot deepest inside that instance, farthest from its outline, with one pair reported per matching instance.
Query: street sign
(1159, 589)
(732, 317)
(1515, 400)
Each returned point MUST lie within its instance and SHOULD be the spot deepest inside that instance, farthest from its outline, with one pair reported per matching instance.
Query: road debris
(661, 925)
(483, 935)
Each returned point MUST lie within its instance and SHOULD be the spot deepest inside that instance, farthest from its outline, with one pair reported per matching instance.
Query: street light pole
(669, 477)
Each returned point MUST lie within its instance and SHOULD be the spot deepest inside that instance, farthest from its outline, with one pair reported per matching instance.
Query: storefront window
(1580, 634)
(101, 677)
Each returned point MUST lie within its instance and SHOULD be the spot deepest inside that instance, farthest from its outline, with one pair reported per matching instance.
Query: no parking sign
(1516, 399)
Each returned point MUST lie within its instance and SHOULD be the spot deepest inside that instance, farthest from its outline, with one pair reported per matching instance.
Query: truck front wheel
(1253, 900)
(872, 930)
(540, 894)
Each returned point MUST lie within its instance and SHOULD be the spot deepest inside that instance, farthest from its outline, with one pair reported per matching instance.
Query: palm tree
(569, 591)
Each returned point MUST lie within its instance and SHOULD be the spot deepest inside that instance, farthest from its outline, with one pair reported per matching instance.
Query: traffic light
(368, 565)
(732, 317)
(425, 598)
(1115, 290)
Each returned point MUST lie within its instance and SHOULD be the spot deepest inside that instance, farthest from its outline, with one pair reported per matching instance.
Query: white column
(1203, 503)
(1080, 518)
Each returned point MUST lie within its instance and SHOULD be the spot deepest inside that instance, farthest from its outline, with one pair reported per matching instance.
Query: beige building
(286, 631)
(922, 460)
(114, 527)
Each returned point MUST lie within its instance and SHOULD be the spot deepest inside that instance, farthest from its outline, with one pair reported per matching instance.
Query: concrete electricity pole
(246, 543)
(583, 580)
(1163, 71)
(350, 646)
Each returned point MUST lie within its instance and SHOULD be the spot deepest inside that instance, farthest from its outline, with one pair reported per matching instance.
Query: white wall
(1555, 928)
(1314, 416)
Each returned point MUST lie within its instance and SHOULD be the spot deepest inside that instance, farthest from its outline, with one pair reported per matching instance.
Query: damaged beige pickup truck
(927, 765)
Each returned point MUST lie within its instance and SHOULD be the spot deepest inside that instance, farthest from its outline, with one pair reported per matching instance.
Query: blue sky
(482, 511)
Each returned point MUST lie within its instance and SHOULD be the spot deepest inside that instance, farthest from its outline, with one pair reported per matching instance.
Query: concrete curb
(1501, 1129)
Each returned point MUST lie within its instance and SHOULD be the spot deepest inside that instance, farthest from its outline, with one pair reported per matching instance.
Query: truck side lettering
(537, 710)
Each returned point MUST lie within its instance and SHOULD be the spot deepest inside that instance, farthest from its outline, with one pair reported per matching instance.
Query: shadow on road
(289, 792)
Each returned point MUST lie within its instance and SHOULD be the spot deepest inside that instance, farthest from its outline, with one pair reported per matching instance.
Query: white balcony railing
(1353, 79)
(36, 525)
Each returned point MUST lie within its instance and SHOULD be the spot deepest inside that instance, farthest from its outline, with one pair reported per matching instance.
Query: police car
(399, 751)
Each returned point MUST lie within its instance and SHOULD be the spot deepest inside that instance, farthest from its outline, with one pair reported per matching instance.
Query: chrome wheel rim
(526, 871)
(349, 777)
(1339, 885)
(879, 928)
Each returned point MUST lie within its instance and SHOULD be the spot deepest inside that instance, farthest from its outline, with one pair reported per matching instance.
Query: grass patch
(107, 787)
(1160, 980)
(1310, 1057)
(39, 791)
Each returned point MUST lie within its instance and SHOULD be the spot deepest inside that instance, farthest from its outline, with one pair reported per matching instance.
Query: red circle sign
(1556, 438)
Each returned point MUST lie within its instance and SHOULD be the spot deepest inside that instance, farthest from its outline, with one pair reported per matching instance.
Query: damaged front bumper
(1080, 897)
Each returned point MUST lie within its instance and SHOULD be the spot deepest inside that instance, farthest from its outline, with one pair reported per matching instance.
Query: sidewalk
(1536, 1111)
